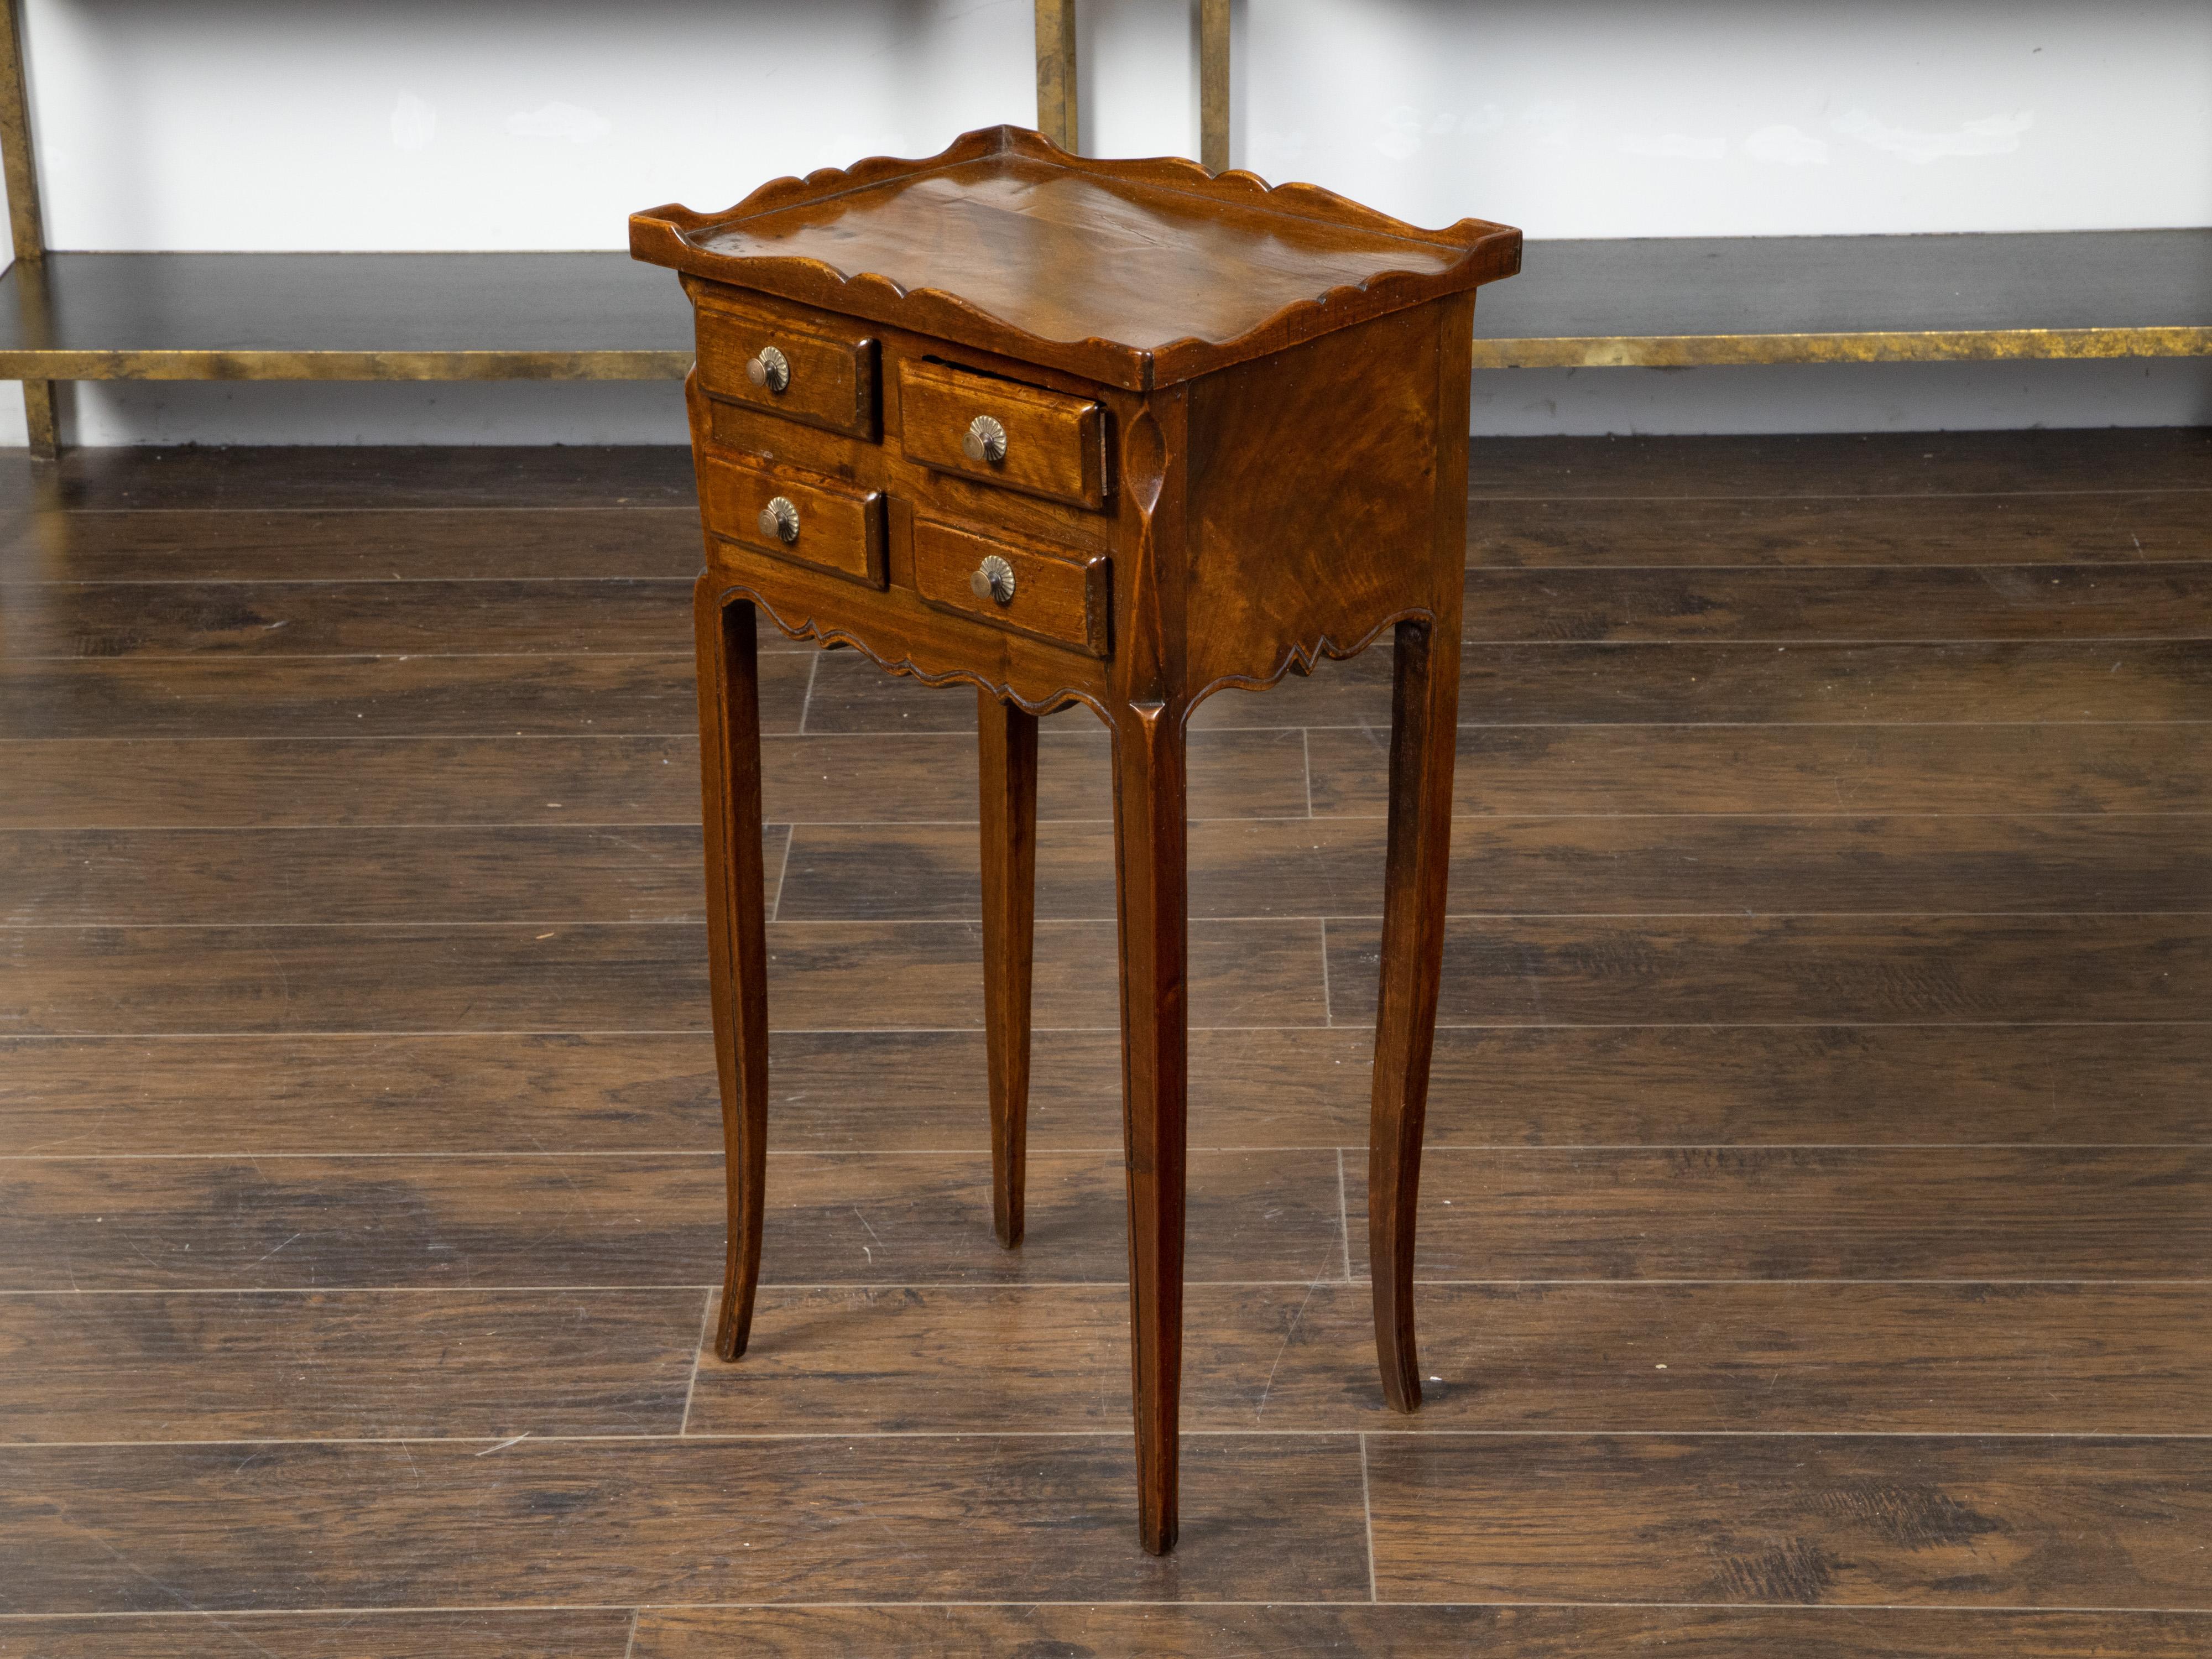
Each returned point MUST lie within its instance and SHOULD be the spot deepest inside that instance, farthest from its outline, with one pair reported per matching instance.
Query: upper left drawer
(813, 372)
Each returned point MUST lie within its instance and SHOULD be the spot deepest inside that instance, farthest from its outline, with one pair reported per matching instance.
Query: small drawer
(797, 516)
(1058, 594)
(1024, 437)
(753, 357)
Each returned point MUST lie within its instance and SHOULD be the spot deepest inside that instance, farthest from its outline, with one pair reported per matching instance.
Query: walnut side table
(1121, 433)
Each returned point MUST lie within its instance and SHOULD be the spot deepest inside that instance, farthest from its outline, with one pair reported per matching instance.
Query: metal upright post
(25, 218)
(1213, 84)
(1055, 65)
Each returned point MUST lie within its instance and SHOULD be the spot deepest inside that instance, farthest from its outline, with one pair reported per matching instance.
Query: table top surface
(1157, 266)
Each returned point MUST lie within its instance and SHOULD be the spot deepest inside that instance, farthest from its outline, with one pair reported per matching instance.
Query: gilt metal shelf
(1681, 302)
(341, 317)
(1649, 303)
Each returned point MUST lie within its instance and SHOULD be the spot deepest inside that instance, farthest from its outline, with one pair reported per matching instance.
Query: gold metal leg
(25, 218)
(39, 415)
(1055, 60)
(1213, 84)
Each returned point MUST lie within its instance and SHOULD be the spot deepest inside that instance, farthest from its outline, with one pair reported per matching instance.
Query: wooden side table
(1119, 434)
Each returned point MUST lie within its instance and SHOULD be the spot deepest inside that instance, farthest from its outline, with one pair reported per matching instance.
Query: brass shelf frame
(1659, 303)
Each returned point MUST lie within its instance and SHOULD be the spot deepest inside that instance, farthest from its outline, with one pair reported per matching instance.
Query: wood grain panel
(508, 1092)
(2037, 680)
(376, 476)
(1517, 970)
(2101, 528)
(527, 976)
(361, 544)
(1897, 1521)
(1578, 866)
(1667, 1085)
(1495, 1215)
(1706, 1085)
(381, 696)
(425, 873)
(119, 783)
(1309, 1630)
(544, 616)
(356, 1633)
(1838, 770)
(2070, 601)
(1811, 1213)
(2005, 683)
(1921, 463)
(369, 1526)
(67, 783)
(1721, 1358)
(335, 1364)
(484, 1223)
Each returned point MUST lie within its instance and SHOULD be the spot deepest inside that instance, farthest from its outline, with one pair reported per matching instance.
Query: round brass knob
(994, 580)
(770, 370)
(779, 519)
(984, 441)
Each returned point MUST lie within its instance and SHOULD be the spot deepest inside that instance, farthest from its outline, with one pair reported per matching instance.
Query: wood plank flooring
(1817, 1233)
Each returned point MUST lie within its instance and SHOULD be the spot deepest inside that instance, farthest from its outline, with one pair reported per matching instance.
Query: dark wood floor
(1817, 1229)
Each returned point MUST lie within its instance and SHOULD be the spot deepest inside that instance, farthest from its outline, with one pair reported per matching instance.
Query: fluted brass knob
(994, 580)
(779, 519)
(770, 370)
(984, 441)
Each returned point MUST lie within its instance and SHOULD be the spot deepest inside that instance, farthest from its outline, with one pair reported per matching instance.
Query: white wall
(469, 124)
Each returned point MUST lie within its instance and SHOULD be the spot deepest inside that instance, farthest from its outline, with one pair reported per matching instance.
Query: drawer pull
(994, 580)
(770, 370)
(779, 519)
(985, 440)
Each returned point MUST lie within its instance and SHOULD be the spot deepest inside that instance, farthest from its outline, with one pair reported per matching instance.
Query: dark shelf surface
(342, 316)
(602, 316)
(1777, 298)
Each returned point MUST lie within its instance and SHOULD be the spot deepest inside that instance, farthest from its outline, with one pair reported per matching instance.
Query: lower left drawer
(798, 516)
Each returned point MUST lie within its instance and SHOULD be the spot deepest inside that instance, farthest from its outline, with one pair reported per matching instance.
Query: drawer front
(1047, 443)
(807, 519)
(755, 358)
(1060, 594)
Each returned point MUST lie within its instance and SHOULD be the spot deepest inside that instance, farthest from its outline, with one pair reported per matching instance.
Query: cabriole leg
(1424, 717)
(737, 933)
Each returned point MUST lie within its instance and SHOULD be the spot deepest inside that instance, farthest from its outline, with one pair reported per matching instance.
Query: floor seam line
(1367, 1512)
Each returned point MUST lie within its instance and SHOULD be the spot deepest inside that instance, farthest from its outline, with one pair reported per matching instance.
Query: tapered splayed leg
(1424, 718)
(1006, 766)
(737, 933)
(1150, 858)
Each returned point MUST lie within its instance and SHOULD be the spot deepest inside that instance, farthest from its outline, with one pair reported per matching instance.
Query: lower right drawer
(1058, 594)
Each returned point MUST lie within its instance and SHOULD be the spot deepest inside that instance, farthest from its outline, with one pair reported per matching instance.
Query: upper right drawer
(1047, 443)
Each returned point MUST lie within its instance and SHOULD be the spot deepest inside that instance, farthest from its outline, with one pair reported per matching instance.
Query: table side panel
(1314, 484)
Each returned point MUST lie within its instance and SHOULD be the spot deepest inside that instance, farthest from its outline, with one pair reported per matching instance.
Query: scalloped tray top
(1139, 274)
